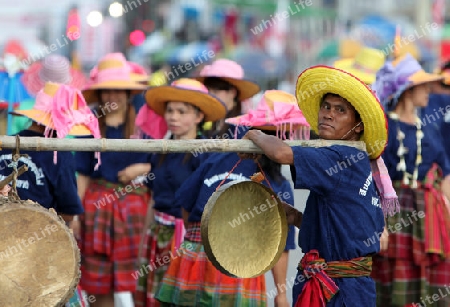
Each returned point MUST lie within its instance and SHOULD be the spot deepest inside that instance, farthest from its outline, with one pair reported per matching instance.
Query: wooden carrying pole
(154, 146)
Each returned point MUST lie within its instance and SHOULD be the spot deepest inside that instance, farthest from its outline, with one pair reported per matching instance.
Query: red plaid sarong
(417, 262)
(158, 249)
(111, 230)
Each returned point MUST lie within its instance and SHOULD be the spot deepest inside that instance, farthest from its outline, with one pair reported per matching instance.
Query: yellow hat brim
(44, 118)
(355, 91)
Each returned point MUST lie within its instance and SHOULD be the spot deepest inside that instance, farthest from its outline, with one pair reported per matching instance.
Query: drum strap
(319, 287)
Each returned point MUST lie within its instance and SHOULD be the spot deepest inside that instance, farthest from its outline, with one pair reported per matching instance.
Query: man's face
(337, 119)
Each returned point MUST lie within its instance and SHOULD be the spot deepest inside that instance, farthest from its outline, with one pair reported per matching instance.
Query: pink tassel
(97, 165)
(179, 233)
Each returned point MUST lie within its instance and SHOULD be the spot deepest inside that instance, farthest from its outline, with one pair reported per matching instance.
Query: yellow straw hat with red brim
(112, 72)
(365, 65)
(186, 90)
(42, 110)
(355, 91)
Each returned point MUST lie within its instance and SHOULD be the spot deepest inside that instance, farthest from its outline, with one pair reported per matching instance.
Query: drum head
(39, 257)
(244, 229)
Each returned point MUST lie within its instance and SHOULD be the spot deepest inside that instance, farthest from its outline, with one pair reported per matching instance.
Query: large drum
(244, 229)
(39, 257)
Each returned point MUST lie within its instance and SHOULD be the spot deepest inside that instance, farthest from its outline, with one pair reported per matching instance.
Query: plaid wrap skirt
(111, 230)
(417, 262)
(158, 250)
(192, 280)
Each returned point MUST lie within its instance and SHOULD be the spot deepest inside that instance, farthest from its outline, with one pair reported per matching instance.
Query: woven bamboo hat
(244, 229)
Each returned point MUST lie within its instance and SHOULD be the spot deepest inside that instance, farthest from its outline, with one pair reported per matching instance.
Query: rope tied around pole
(11, 193)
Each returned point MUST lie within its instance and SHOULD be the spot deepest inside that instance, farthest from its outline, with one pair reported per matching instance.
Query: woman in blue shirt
(191, 279)
(185, 105)
(115, 202)
(417, 262)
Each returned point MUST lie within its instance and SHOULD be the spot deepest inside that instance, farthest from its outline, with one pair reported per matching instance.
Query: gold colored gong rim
(254, 246)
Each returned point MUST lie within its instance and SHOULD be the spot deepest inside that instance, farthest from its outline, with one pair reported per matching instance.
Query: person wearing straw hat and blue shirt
(185, 105)
(416, 266)
(50, 180)
(350, 190)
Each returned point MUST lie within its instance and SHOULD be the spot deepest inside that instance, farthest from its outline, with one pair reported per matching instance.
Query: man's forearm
(274, 148)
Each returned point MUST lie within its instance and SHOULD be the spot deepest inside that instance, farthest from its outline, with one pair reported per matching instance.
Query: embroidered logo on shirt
(37, 171)
(233, 177)
(363, 190)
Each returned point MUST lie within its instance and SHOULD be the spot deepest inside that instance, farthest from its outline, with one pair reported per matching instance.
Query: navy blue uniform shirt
(112, 162)
(51, 185)
(432, 150)
(343, 216)
(170, 172)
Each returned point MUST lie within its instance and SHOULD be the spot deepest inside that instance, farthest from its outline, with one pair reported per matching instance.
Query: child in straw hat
(185, 105)
(225, 79)
(192, 279)
(115, 200)
(349, 189)
(416, 265)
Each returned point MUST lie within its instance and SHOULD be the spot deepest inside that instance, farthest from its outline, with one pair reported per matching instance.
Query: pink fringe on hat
(279, 111)
(64, 117)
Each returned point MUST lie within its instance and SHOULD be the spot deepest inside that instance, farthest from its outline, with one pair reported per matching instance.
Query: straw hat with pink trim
(186, 90)
(53, 68)
(112, 72)
(277, 111)
(231, 72)
(62, 108)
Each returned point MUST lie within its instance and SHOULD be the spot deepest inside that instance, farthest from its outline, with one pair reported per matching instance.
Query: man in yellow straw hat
(364, 65)
(350, 191)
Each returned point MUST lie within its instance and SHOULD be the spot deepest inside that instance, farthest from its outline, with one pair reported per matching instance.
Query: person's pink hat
(112, 72)
(276, 111)
(138, 73)
(53, 68)
(231, 72)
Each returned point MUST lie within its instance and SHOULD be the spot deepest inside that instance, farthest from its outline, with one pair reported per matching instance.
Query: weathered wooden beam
(154, 146)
